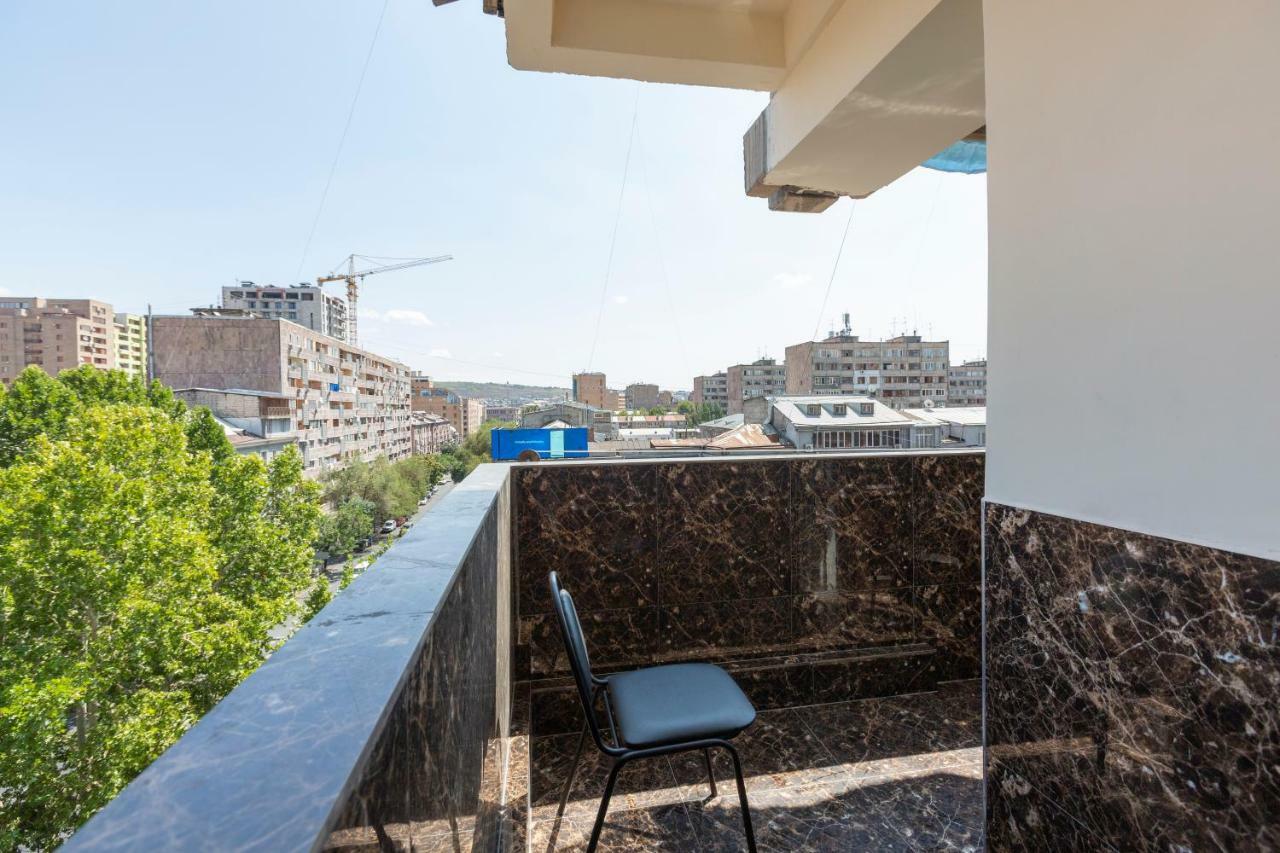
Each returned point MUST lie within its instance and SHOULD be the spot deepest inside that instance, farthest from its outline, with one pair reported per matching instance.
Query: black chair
(655, 711)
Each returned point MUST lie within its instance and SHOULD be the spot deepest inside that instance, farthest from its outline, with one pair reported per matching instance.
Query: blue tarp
(969, 158)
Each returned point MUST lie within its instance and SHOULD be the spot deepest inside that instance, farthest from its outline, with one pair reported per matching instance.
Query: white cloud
(791, 280)
(440, 352)
(369, 314)
(408, 316)
(621, 300)
(497, 355)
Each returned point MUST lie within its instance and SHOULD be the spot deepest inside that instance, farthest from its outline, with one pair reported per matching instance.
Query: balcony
(428, 707)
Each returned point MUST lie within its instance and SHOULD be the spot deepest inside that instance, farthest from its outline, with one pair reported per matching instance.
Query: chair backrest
(576, 648)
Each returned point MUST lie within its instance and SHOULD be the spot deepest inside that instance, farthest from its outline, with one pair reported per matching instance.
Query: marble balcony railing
(400, 717)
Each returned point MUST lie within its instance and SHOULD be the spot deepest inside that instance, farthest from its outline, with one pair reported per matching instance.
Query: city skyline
(225, 185)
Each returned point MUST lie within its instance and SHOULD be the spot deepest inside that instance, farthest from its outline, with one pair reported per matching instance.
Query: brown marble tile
(615, 639)
(723, 531)
(947, 518)
(852, 523)
(657, 828)
(641, 784)
(951, 621)
(848, 620)
(594, 524)
(874, 673)
(722, 630)
(1131, 684)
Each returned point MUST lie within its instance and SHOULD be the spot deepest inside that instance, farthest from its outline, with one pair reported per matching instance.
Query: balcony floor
(903, 773)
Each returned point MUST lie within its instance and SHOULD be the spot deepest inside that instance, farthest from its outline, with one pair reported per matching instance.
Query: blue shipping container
(570, 443)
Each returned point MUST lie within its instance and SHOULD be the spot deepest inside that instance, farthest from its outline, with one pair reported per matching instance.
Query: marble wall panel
(947, 518)
(1131, 689)
(852, 523)
(739, 559)
(723, 530)
(436, 771)
(592, 524)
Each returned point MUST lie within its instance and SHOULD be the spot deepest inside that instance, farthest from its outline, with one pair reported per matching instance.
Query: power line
(853, 205)
(617, 218)
(342, 140)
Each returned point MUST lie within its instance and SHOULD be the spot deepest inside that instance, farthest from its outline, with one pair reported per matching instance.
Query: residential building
(641, 395)
(501, 412)
(671, 420)
(131, 344)
(590, 388)
(463, 413)
(308, 305)
(711, 388)
(257, 422)
(967, 384)
(761, 378)
(55, 334)
(345, 403)
(614, 400)
(430, 433)
(665, 398)
(903, 372)
(839, 422)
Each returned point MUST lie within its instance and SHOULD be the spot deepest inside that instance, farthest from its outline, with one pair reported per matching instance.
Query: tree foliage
(142, 565)
(392, 489)
(342, 531)
(700, 413)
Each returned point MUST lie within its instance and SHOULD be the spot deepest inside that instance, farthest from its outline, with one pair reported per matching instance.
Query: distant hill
(503, 390)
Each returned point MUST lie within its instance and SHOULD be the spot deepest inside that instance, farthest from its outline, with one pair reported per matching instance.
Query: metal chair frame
(590, 689)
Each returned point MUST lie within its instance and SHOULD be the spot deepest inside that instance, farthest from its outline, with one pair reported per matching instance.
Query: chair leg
(573, 771)
(604, 807)
(742, 797)
(711, 776)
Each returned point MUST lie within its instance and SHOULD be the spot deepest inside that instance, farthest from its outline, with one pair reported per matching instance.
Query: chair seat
(678, 703)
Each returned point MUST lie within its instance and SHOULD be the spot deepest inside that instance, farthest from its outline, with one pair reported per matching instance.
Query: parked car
(388, 526)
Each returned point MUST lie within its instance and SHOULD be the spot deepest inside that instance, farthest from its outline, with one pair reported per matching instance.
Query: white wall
(1134, 194)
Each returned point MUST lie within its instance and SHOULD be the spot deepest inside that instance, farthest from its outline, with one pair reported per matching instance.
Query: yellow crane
(353, 277)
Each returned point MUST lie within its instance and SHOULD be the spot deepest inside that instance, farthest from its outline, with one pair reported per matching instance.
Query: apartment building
(967, 384)
(501, 413)
(131, 344)
(614, 400)
(641, 395)
(255, 422)
(430, 433)
(55, 334)
(761, 378)
(464, 414)
(842, 423)
(904, 371)
(590, 388)
(711, 388)
(344, 403)
(305, 304)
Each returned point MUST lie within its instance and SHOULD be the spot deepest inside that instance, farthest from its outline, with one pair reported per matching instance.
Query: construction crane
(353, 277)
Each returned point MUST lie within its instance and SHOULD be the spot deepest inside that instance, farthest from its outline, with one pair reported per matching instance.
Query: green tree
(317, 598)
(142, 565)
(341, 532)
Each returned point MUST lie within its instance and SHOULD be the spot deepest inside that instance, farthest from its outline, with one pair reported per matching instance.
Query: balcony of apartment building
(430, 706)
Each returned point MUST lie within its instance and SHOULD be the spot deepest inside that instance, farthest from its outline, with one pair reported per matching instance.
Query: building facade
(131, 344)
(55, 334)
(847, 423)
(903, 372)
(344, 403)
(762, 378)
(967, 384)
(501, 413)
(590, 388)
(711, 388)
(463, 413)
(430, 433)
(642, 395)
(305, 304)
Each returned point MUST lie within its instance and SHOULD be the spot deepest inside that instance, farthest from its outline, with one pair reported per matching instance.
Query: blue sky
(155, 151)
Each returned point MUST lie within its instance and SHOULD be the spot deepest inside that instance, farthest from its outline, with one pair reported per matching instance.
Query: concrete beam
(881, 89)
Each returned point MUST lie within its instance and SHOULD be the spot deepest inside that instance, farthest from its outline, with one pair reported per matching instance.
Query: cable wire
(853, 205)
(617, 218)
(342, 140)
